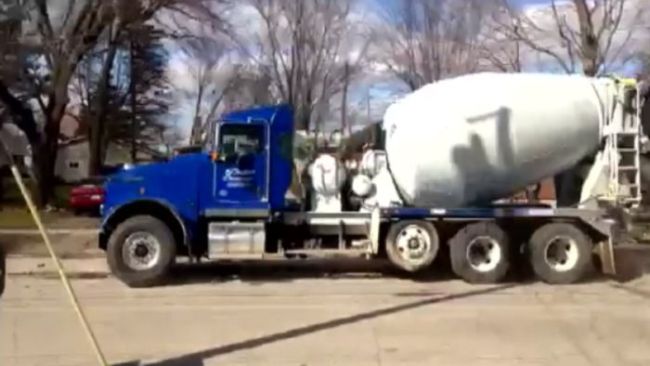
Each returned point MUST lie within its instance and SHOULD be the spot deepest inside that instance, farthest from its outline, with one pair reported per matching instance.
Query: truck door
(241, 169)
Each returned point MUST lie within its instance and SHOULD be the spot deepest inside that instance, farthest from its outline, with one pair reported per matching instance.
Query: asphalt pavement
(294, 315)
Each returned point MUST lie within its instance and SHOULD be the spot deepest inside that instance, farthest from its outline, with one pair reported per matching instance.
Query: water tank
(372, 162)
(327, 177)
(480, 137)
(362, 185)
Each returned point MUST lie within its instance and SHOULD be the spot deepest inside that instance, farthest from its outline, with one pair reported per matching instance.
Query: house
(72, 161)
(73, 156)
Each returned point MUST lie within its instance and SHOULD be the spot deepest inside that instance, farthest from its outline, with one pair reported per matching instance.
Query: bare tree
(582, 35)
(427, 40)
(498, 50)
(57, 36)
(13, 88)
(304, 47)
(212, 72)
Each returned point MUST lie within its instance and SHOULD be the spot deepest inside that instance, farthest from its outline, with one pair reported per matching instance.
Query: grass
(14, 212)
(20, 218)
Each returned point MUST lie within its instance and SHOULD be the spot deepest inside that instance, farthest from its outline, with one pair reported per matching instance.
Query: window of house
(73, 164)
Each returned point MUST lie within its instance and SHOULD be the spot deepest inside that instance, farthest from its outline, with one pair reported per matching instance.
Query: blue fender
(115, 215)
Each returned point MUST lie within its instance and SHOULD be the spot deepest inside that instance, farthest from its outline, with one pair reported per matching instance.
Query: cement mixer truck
(451, 150)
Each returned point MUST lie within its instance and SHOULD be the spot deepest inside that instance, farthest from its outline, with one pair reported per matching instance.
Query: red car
(86, 198)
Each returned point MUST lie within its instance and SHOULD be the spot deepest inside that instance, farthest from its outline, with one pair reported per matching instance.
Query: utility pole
(345, 128)
(368, 112)
(517, 61)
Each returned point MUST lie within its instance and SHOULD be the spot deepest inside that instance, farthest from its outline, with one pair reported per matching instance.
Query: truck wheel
(141, 251)
(560, 253)
(412, 245)
(480, 253)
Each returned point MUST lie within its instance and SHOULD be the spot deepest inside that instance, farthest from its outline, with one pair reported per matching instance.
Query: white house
(72, 160)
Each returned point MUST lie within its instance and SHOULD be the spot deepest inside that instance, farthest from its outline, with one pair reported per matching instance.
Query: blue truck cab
(242, 176)
(229, 201)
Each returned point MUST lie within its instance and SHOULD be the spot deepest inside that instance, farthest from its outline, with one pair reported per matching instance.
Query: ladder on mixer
(623, 139)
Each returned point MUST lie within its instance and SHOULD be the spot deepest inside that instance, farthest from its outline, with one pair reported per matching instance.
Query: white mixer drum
(480, 137)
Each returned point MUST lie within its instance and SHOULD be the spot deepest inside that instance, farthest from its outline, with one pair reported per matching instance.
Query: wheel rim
(413, 244)
(141, 251)
(561, 253)
(483, 254)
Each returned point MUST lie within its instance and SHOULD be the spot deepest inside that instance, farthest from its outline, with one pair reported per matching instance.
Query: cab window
(241, 140)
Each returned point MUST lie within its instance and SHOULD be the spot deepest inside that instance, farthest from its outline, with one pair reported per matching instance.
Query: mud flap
(606, 253)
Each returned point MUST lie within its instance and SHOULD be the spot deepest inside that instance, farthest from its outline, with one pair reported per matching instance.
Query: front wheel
(141, 251)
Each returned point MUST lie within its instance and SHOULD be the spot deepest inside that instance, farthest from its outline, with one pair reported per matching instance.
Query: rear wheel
(141, 251)
(560, 253)
(412, 245)
(480, 253)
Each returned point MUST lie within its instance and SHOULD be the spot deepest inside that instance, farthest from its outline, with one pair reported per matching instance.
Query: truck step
(627, 168)
(328, 252)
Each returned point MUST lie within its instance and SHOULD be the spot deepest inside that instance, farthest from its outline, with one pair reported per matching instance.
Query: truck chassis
(483, 243)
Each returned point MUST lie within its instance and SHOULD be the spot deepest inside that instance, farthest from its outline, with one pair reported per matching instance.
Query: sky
(376, 92)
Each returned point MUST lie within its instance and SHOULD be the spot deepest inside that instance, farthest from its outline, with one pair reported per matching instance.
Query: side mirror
(222, 157)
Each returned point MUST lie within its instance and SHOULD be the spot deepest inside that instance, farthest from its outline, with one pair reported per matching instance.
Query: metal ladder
(623, 139)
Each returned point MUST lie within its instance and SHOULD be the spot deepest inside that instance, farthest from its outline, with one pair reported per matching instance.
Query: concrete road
(301, 318)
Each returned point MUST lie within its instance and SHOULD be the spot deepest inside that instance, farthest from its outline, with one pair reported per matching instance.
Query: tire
(570, 264)
(419, 258)
(136, 232)
(480, 253)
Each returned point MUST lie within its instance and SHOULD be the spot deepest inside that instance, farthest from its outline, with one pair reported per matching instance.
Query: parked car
(88, 195)
(86, 198)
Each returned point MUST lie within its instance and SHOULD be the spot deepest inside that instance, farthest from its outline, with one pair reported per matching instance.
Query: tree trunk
(20, 114)
(197, 121)
(134, 115)
(588, 39)
(23, 117)
(97, 130)
(45, 154)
